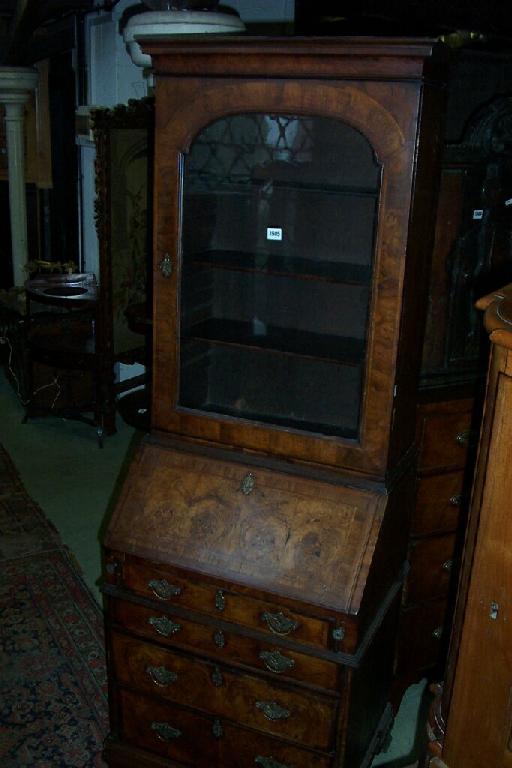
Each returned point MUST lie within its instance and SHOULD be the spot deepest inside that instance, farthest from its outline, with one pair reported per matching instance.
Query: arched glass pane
(279, 217)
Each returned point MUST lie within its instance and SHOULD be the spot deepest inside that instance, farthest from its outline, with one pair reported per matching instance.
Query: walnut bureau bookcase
(255, 555)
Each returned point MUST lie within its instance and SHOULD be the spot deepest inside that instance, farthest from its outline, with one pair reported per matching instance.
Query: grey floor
(73, 481)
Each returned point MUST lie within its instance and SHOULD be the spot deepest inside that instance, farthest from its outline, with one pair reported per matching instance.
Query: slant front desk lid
(307, 540)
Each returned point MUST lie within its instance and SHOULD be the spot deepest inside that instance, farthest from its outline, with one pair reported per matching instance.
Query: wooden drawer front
(259, 532)
(295, 715)
(168, 587)
(438, 502)
(226, 646)
(422, 636)
(444, 440)
(431, 568)
(202, 741)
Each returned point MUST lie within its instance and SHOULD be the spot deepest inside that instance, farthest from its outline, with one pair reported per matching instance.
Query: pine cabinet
(255, 557)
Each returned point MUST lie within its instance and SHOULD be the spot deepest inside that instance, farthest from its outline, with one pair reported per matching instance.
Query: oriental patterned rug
(53, 693)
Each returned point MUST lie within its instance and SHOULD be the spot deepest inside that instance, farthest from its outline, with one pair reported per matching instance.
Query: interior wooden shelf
(289, 266)
(335, 349)
(319, 188)
(304, 425)
(213, 186)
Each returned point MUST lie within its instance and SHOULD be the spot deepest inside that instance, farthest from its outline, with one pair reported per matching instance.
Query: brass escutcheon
(217, 678)
(220, 600)
(217, 729)
(165, 266)
(248, 483)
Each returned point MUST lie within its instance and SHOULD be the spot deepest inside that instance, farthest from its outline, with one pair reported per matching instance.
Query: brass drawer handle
(465, 437)
(276, 662)
(219, 639)
(161, 676)
(164, 626)
(165, 732)
(248, 483)
(447, 565)
(437, 633)
(456, 500)
(217, 729)
(278, 623)
(163, 590)
(273, 711)
(165, 266)
(268, 762)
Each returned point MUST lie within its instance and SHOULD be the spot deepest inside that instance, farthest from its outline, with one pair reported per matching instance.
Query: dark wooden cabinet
(255, 558)
(471, 255)
(470, 720)
(61, 346)
(280, 597)
(360, 316)
(446, 435)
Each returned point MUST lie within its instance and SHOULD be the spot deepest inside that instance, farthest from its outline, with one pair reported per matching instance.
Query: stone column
(16, 85)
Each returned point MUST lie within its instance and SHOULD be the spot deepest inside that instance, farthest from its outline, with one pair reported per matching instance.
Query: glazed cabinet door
(279, 216)
(283, 211)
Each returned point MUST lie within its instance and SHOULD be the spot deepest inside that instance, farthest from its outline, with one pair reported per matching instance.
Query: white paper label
(478, 214)
(274, 233)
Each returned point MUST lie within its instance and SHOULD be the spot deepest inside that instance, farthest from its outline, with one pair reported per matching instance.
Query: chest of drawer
(438, 502)
(228, 647)
(200, 741)
(444, 439)
(431, 568)
(422, 635)
(169, 587)
(294, 714)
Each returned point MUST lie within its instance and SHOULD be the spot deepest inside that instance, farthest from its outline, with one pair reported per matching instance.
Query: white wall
(263, 10)
(113, 79)
(87, 196)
